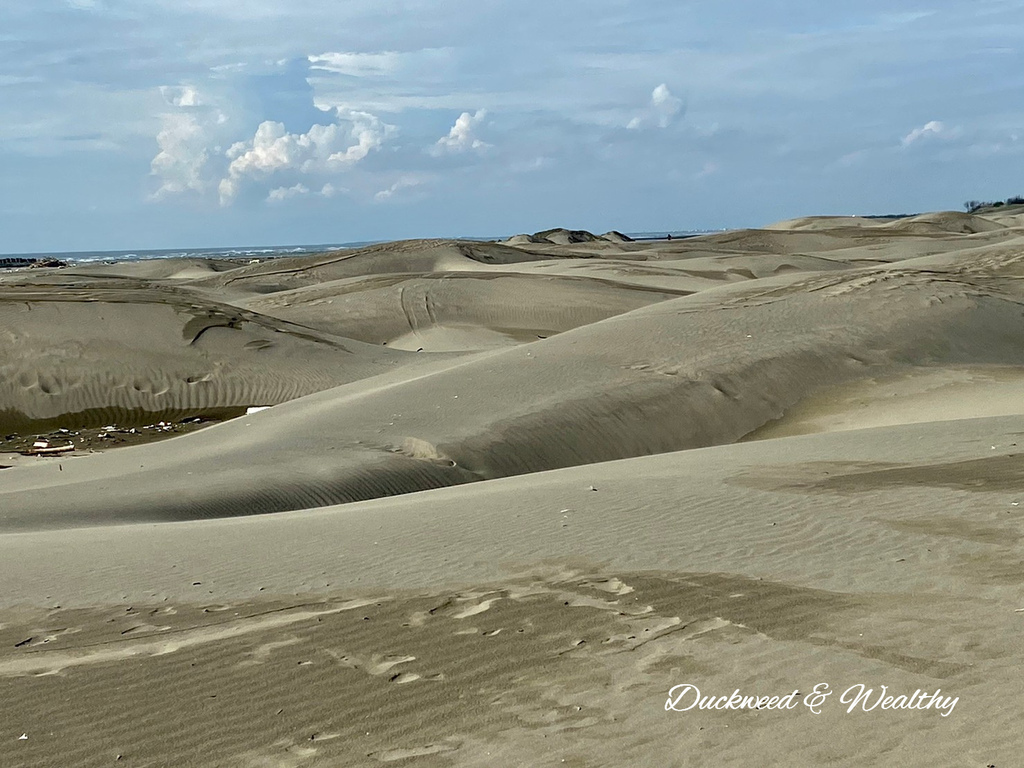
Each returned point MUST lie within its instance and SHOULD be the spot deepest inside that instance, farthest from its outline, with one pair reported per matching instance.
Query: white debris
(255, 409)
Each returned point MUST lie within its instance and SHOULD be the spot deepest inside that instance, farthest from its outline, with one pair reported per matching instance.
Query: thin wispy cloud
(406, 182)
(357, 64)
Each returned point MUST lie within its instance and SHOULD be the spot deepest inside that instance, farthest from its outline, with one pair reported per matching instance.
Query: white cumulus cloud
(462, 136)
(323, 149)
(281, 194)
(661, 111)
(932, 128)
(187, 142)
(181, 95)
(665, 105)
(182, 155)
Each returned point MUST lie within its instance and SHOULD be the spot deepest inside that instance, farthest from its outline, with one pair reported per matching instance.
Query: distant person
(669, 236)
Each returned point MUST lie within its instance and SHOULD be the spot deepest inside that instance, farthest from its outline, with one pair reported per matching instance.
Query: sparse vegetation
(973, 206)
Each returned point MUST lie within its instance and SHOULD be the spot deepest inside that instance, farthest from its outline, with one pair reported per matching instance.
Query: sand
(508, 495)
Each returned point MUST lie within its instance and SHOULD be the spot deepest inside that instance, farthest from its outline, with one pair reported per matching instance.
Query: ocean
(245, 252)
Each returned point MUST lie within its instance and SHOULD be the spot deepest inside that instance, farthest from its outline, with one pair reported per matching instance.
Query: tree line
(975, 205)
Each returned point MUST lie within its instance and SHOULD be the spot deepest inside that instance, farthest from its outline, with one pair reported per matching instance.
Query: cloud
(281, 194)
(709, 169)
(181, 95)
(530, 165)
(851, 159)
(665, 105)
(386, 80)
(331, 190)
(187, 151)
(462, 136)
(257, 128)
(662, 110)
(890, 20)
(998, 144)
(932, 128)
(951, 143)
(357, 64)
(182, 155)
(405, 182)
(323, 149)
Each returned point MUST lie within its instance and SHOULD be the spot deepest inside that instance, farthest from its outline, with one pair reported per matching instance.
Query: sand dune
(502, 619)
(687, 372)
(755, 460)
(385, 259)
(940, 393)
(383, 309)
(88, 354)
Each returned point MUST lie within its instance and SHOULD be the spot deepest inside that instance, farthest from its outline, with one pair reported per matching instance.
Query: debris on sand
(63, 440)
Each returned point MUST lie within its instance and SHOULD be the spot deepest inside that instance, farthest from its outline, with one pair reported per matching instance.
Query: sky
(188, 123)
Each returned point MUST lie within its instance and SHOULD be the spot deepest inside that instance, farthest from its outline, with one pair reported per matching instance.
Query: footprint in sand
(404, 677)
(53, 662)
(45, 636)
(262, 653)
(612, 585)
(473, 610)
(375, 665)
(144, 628)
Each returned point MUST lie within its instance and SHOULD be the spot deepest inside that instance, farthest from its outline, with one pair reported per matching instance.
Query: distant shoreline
(15, 260)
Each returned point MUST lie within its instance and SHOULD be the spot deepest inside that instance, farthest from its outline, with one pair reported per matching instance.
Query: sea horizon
(269, 251)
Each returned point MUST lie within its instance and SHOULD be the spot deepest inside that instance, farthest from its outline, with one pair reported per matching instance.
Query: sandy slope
(547, 533)
(531, 620)
(88, 352)
(416, 307)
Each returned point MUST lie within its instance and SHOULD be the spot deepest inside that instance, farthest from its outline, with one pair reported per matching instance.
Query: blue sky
(185, 123)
